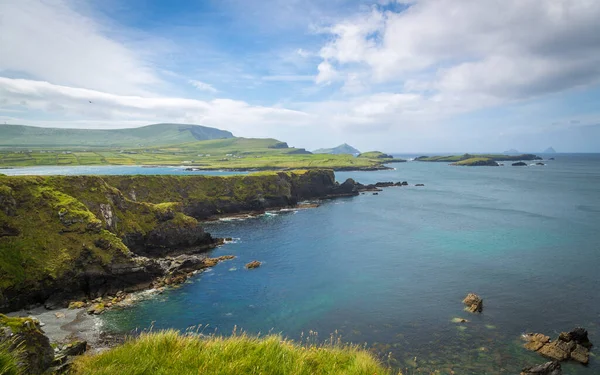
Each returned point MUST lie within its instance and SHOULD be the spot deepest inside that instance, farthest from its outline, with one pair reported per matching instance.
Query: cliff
(70, 237)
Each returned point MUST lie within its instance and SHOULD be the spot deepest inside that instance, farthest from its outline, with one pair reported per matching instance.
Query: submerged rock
(548, 368)
(253, 264)
(474, 303)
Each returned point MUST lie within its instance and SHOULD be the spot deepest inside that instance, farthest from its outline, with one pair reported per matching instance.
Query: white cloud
(203, 86)
(74, 103)
(512, 49)
(49, 40)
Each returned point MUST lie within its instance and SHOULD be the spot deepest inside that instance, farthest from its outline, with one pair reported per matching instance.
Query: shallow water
(391, 270)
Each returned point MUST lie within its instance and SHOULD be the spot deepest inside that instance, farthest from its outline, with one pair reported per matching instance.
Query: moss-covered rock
(24, 336)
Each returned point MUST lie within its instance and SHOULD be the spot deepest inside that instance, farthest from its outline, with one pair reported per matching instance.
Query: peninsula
(193, 146)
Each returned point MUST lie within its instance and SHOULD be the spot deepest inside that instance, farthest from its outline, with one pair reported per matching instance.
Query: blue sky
(401, 76)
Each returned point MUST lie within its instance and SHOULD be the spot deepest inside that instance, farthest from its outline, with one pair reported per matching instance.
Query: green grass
(8, 360)
(169, 352)
(230, 153)
(476, 161)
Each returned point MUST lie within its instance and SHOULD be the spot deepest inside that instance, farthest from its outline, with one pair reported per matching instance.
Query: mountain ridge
(149, 135)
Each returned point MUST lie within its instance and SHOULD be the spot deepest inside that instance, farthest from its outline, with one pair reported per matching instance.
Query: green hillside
(230, 153)
(17, 136)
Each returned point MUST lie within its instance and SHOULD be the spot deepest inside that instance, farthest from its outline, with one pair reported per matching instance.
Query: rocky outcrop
(253, 264)
(573, 345)
(474, 303)
(25, 335)
(548, 368)
(519, 164)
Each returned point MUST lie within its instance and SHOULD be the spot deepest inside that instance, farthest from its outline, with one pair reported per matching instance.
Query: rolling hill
(16, 136)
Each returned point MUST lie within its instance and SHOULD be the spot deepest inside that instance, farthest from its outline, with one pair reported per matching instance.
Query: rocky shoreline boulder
(548, 368)
(573, 345)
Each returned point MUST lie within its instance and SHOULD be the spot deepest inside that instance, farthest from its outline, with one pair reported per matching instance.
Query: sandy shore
(64, 325)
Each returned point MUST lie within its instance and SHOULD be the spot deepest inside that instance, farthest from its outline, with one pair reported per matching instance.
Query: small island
(475, 160)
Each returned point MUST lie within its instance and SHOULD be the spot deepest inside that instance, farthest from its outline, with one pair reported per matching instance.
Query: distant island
(341, 149)
(511, 151)
(549, 150)
(477, 159)
(192, 146)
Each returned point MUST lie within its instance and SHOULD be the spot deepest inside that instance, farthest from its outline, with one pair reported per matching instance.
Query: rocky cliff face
(84, 236)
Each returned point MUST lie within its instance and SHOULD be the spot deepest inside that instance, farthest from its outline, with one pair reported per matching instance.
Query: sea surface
(107, 170)
(390, 270)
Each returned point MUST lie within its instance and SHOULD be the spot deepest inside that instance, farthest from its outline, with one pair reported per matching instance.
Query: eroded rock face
(548, 368)
(569, 345)
(474, 303)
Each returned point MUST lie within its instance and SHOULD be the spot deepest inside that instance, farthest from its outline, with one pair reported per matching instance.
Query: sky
(397, 76)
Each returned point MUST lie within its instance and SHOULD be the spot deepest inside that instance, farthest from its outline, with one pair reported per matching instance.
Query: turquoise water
(391, 270)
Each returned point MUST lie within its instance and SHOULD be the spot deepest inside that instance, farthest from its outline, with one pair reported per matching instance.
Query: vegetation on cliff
(9, 363)
(172, 353)
(81, 236)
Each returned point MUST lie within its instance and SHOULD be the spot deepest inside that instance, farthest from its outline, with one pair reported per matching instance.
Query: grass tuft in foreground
(9, 363)
(170, 352)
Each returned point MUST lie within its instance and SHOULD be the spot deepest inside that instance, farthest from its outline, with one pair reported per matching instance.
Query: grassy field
(169, 352)
(231, 153)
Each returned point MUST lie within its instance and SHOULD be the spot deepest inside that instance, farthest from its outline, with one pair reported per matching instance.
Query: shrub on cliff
(172, 353)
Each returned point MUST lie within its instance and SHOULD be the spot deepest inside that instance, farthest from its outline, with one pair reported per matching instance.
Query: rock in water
(569, 345)
(535, 341)
(580, 354)
(253, 264)
(548, 368)
(579, 335)
(474, 303)
(557, 350)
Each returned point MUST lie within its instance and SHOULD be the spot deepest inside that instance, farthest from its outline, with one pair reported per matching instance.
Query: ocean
(390, 270)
